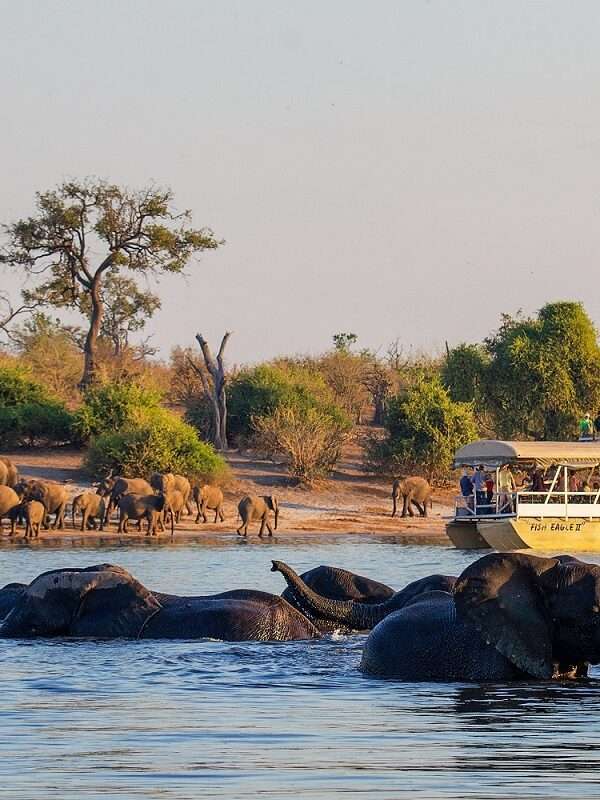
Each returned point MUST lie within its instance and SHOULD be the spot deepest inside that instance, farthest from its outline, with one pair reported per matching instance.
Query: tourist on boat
(478, 480)
(573, 488)
(489, 490)
(506, 487)
(466, 489)
(537, 481)
(586, 429)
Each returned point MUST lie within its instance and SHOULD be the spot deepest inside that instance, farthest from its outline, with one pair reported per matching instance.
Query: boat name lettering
(563, 527)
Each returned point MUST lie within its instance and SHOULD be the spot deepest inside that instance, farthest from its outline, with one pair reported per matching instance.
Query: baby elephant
(92, 507)
(253, 508)
(208, 498)
(35, 514)
(143, 506)
(414, 491)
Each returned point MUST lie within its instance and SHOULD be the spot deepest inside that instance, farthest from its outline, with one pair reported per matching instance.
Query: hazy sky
(396, 169)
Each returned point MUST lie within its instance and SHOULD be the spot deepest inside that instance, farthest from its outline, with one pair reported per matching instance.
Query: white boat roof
(495, 453)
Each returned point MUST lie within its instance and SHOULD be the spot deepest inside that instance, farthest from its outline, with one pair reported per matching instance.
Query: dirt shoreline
(350, 504)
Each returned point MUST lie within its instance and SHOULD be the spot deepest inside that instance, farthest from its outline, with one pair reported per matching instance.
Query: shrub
(33, 424)
(260, 391)
(158, 441)
(309, 439)
(17, 387)
(424, 427)
(111, 406)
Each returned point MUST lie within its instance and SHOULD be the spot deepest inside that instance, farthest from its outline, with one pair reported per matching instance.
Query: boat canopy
(494, 453)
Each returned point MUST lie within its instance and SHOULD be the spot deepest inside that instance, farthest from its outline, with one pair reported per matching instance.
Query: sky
(400, 170)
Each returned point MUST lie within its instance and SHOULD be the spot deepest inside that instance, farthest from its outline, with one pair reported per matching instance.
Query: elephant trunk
(354, 615)
(276, 516)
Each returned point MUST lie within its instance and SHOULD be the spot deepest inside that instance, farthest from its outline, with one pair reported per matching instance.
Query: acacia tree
(83, 231)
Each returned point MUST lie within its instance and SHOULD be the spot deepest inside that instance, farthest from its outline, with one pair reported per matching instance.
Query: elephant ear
(501, 596)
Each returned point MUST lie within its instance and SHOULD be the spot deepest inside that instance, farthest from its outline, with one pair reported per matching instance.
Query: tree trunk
(215, 388)
(90, 369)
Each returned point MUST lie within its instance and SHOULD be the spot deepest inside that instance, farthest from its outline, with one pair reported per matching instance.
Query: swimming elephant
(10, 504)
(208, 498)
(337, 584)
(9, 595)
(510, 616)
(114, 488)
(91, 506)
(106, 601)
(253, 508)
(329, 589)
(414, 491)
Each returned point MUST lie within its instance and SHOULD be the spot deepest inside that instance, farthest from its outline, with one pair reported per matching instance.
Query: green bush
(111, 406)
(424, 427)
(259, 391)
(18, 387)
(47, 423)
(158, 441)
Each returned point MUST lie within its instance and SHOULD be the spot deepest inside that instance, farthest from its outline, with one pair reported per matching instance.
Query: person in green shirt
(586, 429)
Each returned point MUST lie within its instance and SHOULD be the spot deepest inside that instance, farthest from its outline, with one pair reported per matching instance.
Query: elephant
(9, 475)
(338, 584)
(53, 496)
(10, 504)
(253, 508)
(115, 487)
(143, 506)
(106, 601)
(92, 507)
(208, 498)
(164, 481)
(327, 588)
(35, 513)
(9, 595)
(509, 616)
(174, 504)
(414, 491)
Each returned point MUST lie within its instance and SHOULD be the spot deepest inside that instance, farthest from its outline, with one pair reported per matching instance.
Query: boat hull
(465, 536)
(551, 534)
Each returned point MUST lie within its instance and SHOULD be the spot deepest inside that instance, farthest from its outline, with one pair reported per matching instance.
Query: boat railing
(558, 504)
(467, 507)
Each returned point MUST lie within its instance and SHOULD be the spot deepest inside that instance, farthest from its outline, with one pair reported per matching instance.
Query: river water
(219, 720)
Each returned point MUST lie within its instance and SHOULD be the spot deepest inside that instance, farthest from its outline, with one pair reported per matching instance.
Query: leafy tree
(463, 372)
(424, 428)
(544, 372)
(136, 231)
(48, 348)
(342, 342)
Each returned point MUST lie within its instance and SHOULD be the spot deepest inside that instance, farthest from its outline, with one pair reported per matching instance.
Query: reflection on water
(221, 720)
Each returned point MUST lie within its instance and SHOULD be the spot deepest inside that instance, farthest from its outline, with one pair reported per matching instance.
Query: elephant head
(272, 503)
(543, 614)
(351, 614)
(100, 601)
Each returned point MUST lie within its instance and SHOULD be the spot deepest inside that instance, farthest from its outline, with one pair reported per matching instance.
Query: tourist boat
(556, 520)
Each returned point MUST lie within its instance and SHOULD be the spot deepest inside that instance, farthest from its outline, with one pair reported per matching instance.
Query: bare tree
(214, 382)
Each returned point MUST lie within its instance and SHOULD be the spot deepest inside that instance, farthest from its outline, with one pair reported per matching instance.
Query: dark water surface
(218, 720)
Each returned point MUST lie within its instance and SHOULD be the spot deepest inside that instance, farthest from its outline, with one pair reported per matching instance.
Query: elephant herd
(507, 617)
(161, 500)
